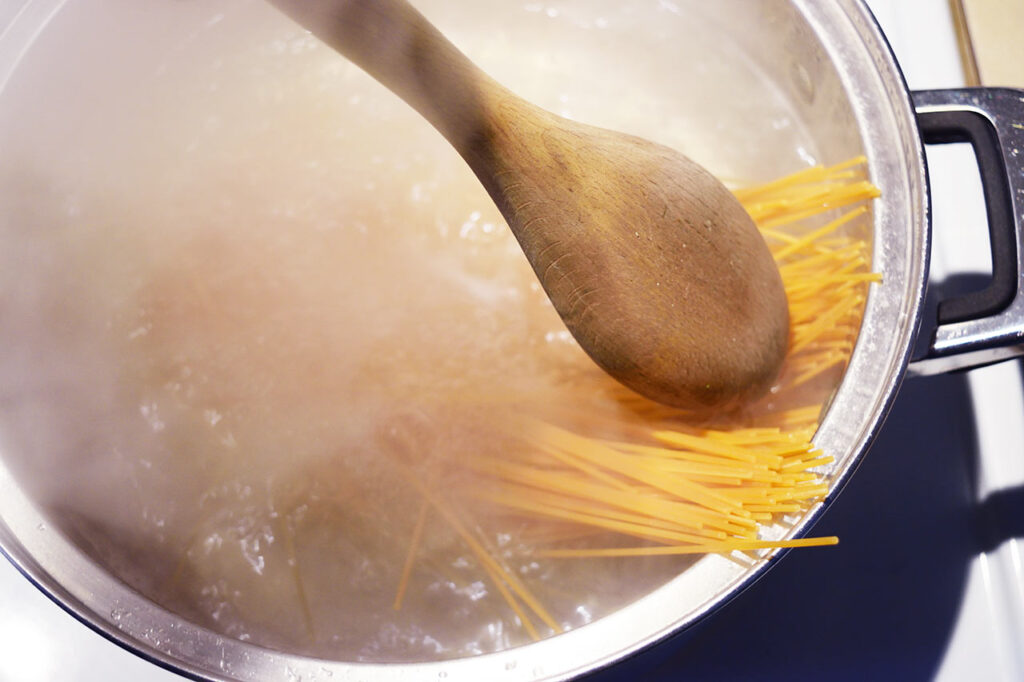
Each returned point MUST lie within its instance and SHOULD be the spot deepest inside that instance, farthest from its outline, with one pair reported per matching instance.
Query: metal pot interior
(825, 64)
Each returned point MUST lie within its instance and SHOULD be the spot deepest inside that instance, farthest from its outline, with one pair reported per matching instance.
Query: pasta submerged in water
(500, 486)
(335, 411)
(673, 486)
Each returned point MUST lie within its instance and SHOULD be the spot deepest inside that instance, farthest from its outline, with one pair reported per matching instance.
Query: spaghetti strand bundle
(667, 485)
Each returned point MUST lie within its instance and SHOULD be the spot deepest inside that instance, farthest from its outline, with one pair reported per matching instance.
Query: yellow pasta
(676, 486)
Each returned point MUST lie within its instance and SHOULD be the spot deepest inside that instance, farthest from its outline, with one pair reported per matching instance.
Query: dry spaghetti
(672, 486)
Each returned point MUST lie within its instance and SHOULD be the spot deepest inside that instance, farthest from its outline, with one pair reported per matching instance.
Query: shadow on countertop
(880, 605)
(884, 603)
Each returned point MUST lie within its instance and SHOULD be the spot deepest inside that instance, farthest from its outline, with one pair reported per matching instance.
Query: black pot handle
(987, 326)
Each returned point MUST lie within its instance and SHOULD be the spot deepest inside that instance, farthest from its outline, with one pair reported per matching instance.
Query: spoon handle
(401, 49)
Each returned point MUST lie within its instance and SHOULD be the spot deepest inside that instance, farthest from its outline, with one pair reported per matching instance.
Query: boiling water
(244, 290)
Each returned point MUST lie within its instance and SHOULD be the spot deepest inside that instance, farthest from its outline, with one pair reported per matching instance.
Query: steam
(221, 302)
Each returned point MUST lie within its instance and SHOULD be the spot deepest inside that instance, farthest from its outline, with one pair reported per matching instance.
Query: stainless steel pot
(835, 66)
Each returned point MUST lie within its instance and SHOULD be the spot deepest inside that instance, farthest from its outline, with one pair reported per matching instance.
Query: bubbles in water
(151, 414)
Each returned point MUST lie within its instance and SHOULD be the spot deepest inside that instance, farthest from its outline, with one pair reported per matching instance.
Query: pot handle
(987, 326)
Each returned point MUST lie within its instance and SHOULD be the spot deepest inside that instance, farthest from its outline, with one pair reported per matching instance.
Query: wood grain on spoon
(655, 267)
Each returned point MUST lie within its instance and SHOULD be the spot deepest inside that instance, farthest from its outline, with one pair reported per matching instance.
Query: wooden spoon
(652, 263)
